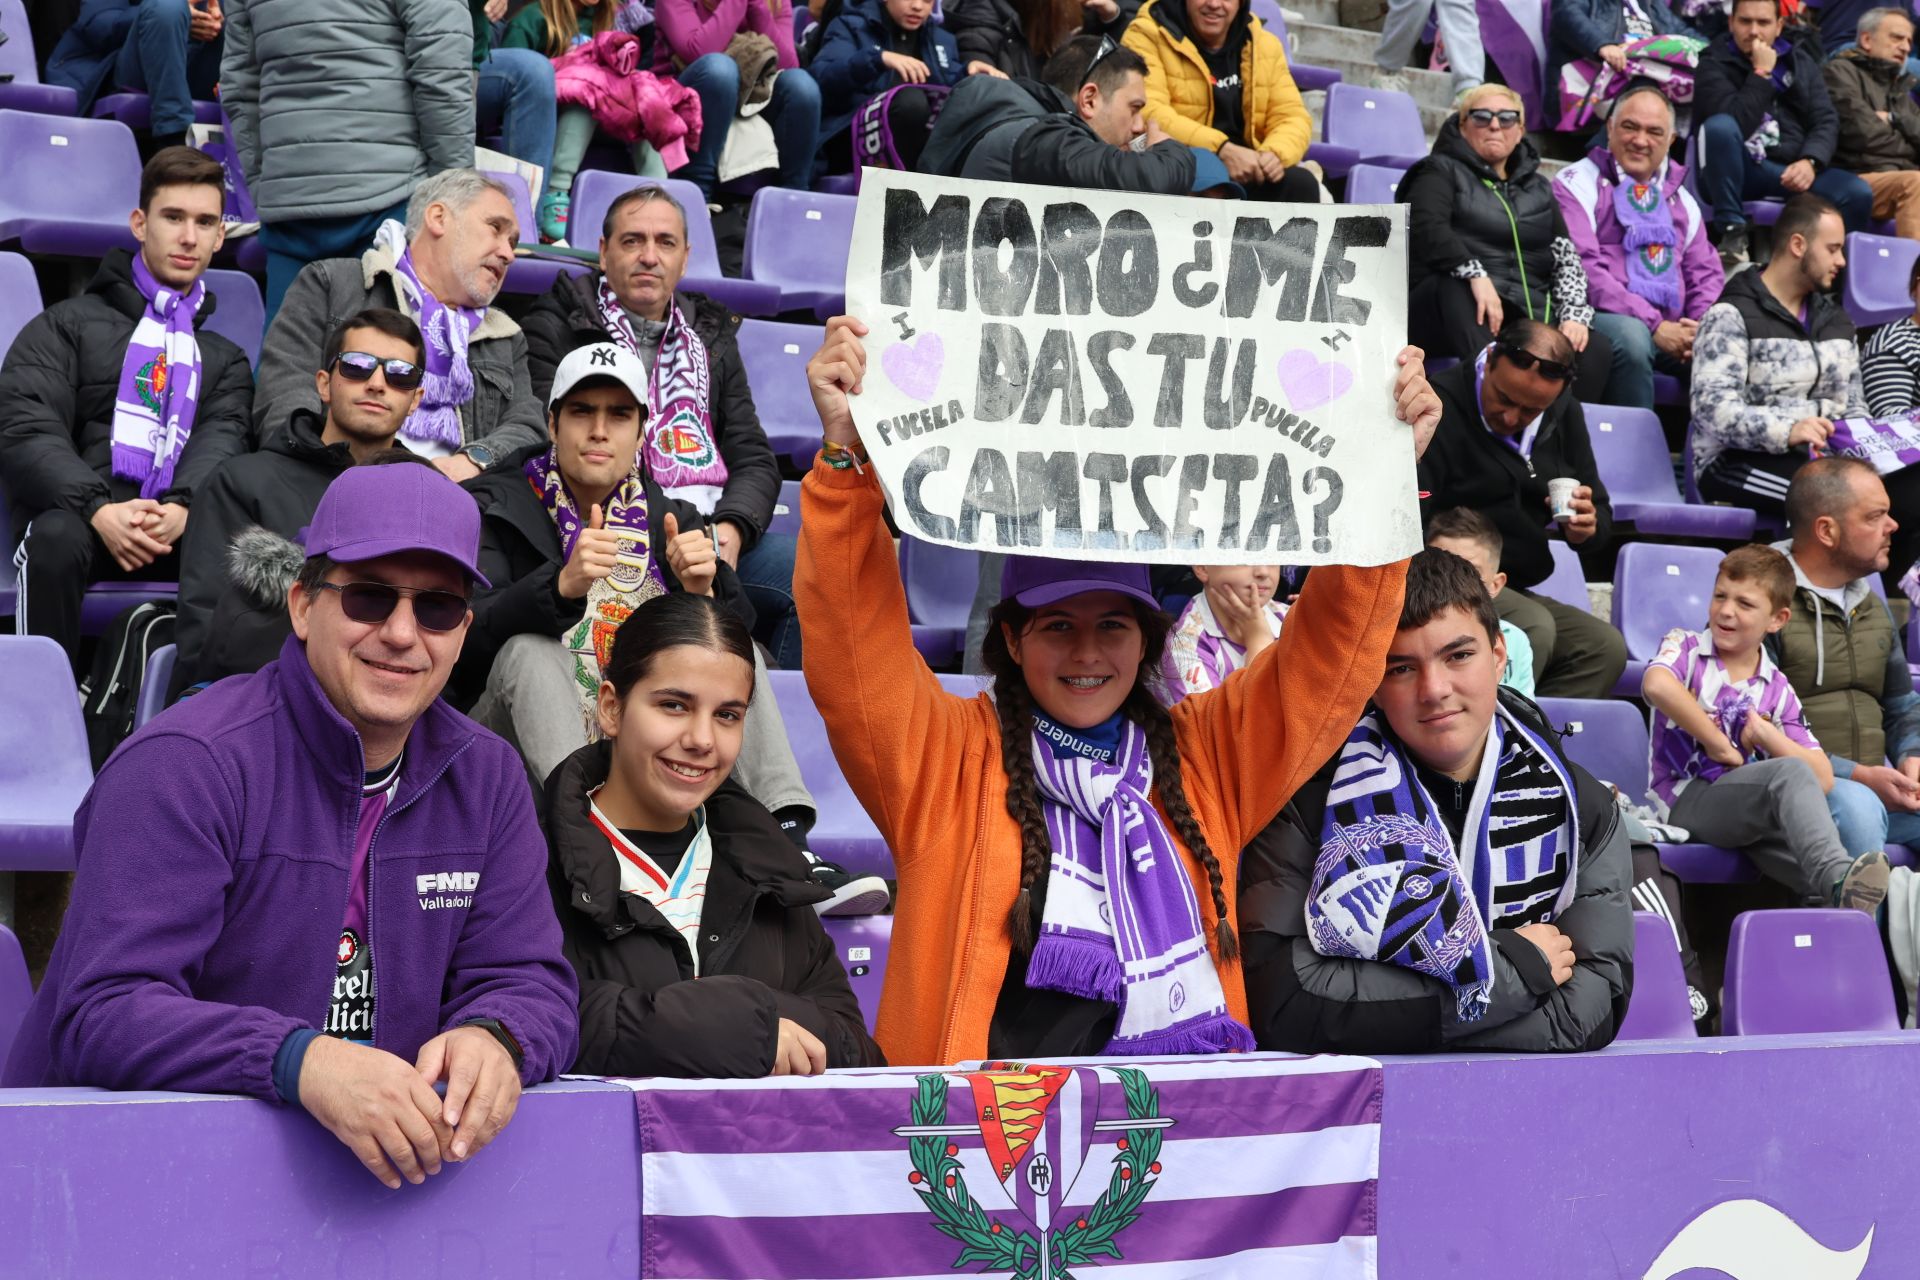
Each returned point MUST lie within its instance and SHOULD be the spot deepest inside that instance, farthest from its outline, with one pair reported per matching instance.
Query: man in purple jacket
(319, 884)
(1651, 270)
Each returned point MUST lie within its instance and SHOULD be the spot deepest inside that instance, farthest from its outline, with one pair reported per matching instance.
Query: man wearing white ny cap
(574, 535)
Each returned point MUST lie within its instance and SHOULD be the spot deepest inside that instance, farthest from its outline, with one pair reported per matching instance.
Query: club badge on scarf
(1121, 921)
(159, 392)
(1389, 884)
(447, 330)
(680, 448)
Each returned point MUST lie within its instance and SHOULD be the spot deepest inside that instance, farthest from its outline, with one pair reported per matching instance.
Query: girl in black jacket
(686, 913)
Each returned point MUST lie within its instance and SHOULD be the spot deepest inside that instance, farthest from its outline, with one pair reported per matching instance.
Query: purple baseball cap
(1035, 581)
(369, 512)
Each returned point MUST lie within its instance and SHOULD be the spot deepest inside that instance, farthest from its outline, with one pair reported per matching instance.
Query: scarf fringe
(1215, 1033)
(1078, 966)
(132, 463)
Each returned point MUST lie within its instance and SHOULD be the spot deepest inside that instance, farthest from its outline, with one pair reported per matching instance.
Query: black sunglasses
(374, 602)
(1521, 358)
(358, 366)
(1107, 45)
(1485, 117)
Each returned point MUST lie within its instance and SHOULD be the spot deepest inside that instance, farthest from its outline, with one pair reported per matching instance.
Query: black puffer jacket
(568, 316)
(1725, 84)
(1455, 216)
(763, 953)
(991, 31)
(1303, 1002)
(275, 489)
(520, 556)
(57, 390)
(1025, 131)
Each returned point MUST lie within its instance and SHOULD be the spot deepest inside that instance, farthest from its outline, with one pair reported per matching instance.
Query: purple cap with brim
(370, 512)
(1035, 581)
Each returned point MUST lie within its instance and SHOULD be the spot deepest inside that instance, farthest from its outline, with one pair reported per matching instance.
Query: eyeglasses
(374, 603)
(1486, 118)
(1521, 358)
(358, 366)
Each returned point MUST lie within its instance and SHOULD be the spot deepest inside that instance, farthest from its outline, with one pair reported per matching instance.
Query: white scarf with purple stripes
(1122, 922)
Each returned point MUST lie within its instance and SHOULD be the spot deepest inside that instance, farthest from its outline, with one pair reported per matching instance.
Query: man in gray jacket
(338, 109)
(442, 272)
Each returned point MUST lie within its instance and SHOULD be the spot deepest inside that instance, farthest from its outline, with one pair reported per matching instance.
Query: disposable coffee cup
(1560, 493)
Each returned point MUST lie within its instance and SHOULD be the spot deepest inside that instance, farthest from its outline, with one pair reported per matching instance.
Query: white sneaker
(852, 895)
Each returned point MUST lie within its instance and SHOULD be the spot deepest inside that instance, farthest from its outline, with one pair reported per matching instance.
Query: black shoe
(1732, 243)
(852, 895)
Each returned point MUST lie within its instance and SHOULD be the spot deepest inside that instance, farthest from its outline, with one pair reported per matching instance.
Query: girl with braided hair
(1067, 849)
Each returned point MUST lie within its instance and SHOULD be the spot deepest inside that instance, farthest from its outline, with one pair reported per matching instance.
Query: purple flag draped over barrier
(1887, 444)
(1040, 1172)
(1514, 33)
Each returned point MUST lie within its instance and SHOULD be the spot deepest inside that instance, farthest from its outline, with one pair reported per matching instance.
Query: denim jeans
(514, 97)
(1865, 823)
(292, 245)
(794, 113)
(1630, 377)
(767, 574)
(1728, 175)
(161, 61)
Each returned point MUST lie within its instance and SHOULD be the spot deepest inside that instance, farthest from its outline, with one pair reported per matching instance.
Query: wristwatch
(481, 455)
(498, 1030)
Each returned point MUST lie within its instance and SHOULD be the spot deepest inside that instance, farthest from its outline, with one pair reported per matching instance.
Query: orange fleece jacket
(926, 764)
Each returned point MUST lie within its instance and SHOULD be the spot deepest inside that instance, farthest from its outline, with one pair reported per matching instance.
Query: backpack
(110, 694)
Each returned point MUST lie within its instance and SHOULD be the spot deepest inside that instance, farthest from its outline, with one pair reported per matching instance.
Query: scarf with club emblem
(679, 441)
(159, 392)
(1651, 244)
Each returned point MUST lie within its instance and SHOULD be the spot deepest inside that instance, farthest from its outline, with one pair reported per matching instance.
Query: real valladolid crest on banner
(1134, 377)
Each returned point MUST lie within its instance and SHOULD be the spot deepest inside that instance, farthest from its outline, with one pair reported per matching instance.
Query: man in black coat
(1758, 88)
(86, 467)
(1509, 424)
(233, 602)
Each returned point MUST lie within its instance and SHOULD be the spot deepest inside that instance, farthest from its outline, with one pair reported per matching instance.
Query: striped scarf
(159, 392)
(447, 330)
(1389, 884)
(679, 897)
(680, 445)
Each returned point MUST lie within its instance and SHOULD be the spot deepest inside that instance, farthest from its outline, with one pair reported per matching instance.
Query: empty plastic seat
(19, 299)
(241, 313)
(1568, 581)
(1373, 184)
(1660, 1008)
(44, 766)
(1382, 126)
(20, 87)
(1657, 587)
(798, 241)
(940, 583)
(786, 510)
(153, 685)
(70, 184)
(595, 190)
(1630, 449)
(842, 831)
(135, 110)
(105, 601)
(532, 275)
(862, 943)
(775, 357)
(1806, 970)
(16, 989)
(1877, 272)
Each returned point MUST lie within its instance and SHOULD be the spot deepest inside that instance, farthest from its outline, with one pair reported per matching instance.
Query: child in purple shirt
(1732, 760)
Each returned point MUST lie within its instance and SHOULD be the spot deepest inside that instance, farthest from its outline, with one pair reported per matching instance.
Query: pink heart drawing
(915, 366)
(1310, 382)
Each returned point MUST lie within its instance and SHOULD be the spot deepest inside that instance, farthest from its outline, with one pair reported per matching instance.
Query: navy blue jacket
(1725, 84)
(848, 66)
(86, 54)
(1578, 29)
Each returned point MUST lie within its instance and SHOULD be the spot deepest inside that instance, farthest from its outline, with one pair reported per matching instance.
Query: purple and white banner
(1247, 1166)
(1887, 444)
(1514, 33)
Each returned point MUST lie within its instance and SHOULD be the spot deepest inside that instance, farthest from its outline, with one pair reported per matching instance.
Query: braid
(1015, 706)
(1144, 710)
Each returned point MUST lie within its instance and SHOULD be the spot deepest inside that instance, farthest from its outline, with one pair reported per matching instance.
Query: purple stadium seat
(775, 356)
(964, 686)
(1656, 588)
(786, 510)
(70, 184)
(862, 943)
(1668, 389)
(45, 773)
(1630, 448)
(9, 576)
(1608, 739)
(1806, 970)
(798, 242)
(1877, 272)
(1307, 78)
(840, 184)
(1660, 1008)
(842, 831)
(1380, 125)
(940, 584)
(135, 110)
(153, 686)
(21, 89)
(1568, 581)
(241, 314)
(531, 275)
(105, 601)
(1373, 184)
(595, 190)
(19, 296)
(16, 989)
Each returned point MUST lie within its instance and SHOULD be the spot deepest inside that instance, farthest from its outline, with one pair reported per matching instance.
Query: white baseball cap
(608, 360)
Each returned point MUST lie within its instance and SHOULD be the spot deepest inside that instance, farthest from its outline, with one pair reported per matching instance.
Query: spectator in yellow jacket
(1217, 80)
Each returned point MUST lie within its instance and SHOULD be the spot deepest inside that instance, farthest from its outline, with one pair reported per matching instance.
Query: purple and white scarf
(449, 381)
(1650, 242)
(159, 392)
(680, 448)
(1389, 884)
(1766, 135)
(1886, 444)
(1121, 922)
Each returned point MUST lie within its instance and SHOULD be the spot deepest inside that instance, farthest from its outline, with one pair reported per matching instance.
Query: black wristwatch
(481, 455)
(498, 1030)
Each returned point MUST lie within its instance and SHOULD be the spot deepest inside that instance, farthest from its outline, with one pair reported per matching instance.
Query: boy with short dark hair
(1732, 759)
(1477, 540)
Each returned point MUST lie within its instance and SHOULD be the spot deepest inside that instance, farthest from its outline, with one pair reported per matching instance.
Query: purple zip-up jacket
(213, 873)
(1585, 192)
(688, 29)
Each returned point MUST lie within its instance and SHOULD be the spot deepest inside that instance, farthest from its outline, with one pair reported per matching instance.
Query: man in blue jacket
(167, 49)
(318, 884)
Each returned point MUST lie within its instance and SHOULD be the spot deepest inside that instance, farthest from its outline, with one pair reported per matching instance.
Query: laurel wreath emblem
(942, 1187)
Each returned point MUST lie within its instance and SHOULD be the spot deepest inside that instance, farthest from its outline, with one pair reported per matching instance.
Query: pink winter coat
(603, 75)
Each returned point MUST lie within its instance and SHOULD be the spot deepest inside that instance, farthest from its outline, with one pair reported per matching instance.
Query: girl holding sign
(1066, 848)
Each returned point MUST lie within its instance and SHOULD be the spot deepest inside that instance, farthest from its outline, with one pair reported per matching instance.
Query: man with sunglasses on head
(352, 903)
(1509, 424)
(242, 549)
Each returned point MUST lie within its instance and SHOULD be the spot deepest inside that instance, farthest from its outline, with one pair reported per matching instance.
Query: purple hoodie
(1585, 192)
(688, 29)
(213, 874)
